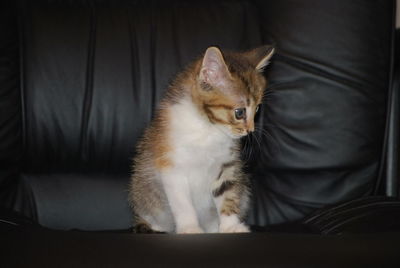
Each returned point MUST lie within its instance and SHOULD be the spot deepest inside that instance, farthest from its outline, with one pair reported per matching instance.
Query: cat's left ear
(213, 69)
(260, 57)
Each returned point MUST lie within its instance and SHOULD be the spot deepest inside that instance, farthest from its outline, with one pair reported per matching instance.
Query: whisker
(251, 151)
(245, 148)
(269, 125)
(255, 137)
(248, 148)
(272, 140)
(267, 94)
(266, 134)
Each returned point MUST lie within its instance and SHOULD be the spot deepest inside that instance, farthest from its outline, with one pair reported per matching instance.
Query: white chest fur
(199, 149)
(197, 144)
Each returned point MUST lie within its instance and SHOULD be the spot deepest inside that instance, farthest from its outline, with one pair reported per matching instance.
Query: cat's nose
(250, 128)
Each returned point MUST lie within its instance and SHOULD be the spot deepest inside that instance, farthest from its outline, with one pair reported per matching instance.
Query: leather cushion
(77, 201)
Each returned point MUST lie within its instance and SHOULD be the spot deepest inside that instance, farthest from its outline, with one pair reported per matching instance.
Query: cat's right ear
(214, 71)
(260, 56)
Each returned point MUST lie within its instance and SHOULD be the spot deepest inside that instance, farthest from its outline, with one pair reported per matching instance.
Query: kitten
(188, 174)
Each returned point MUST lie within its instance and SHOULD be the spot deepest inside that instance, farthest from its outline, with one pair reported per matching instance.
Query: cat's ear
(261, 56)
(213, 69)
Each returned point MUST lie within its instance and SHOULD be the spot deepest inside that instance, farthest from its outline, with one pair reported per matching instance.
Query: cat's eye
(240, 113)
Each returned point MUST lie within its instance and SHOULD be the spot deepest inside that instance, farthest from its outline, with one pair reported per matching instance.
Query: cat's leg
(149, 203)
(160, 221)
(143, 227)
(177, 190)
(231, 197)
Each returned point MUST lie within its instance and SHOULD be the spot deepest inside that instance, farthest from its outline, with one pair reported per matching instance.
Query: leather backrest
(327, 116)
(92, 73)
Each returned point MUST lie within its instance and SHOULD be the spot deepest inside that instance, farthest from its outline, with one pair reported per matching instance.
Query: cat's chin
(229, 133)
(237, 137)
(233, 136)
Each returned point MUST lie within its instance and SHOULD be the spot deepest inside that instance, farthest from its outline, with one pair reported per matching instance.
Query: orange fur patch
(159, 145)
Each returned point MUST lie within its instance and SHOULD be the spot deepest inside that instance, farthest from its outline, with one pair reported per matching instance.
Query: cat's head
(230, 88)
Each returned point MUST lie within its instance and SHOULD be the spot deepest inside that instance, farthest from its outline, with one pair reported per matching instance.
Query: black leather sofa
(78, 84)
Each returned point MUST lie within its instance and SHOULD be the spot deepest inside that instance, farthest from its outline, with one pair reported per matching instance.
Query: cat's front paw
(232, 224)
(234, 228)
(190, 230)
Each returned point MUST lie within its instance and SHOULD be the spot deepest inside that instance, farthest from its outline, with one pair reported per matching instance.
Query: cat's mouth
(239, 132)
(238, 136)
(230, 133)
